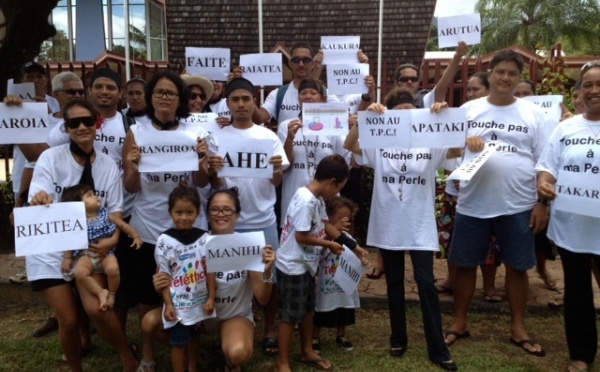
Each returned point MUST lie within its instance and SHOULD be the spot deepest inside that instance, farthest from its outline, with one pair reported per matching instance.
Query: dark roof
(233, 24)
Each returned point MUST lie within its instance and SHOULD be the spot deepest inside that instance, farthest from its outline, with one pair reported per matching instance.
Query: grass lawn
(487, 349)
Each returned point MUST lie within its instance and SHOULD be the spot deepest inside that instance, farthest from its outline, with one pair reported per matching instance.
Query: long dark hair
(183, 110)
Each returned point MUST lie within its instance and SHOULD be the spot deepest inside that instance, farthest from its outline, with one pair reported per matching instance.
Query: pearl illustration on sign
(315, 126)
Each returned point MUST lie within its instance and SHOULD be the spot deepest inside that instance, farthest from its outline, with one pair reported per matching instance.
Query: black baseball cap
(30, 66)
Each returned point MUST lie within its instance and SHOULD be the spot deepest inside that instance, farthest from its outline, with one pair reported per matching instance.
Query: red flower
(99, 122)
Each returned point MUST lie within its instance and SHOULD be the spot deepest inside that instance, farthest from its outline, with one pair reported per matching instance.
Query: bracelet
(270, 280)
(343, 239)
(545, 202)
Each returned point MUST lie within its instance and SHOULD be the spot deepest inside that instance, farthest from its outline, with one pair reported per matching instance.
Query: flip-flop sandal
(317, 363)
(521, 344)
(270, 346)
(457, 336)
(493, 298)
(443, 289)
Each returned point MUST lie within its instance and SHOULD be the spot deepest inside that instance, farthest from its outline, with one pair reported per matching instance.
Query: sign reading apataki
(549, 104)
(471, 163)
(54, 228)
(446, 129)
(452, 30)
(25, 124)
(325, 119)
(212, 63)
(239, 251)
(206, 120)
(171, 151)
(390, 130)
(347, 79)
(349, 271)
(246, 157)
(578, 192)
(262, 69)
(340, 49)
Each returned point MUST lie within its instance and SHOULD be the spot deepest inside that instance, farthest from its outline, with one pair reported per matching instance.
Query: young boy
(305, 235)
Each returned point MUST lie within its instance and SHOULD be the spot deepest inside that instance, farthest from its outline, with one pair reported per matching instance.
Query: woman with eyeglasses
(58, 168)
(574, 149)
(166, 104)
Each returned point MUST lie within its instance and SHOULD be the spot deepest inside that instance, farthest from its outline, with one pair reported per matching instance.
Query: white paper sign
(25, 124)
(472, 163)
(549, 104)
(390, 130)
(262, 69)
(24, 90)
(207, 120)
(578, 192)
(340, 49)
(349, 271)
(325, 119)
(56, 228)
(452, 30)
(239, 251)
(347, 79)
(212, 63)
(246, 157)
(171, 151)
(446, 129)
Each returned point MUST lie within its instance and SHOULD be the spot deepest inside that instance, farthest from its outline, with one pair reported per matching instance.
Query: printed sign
(578, 192)
(246, 157)
(212, 63)
(240, 251)
(340, 49)
(446, 129)
(262, 69)
(25, 124)
(206, 120)
(349, 271)
(549, 104)
(390, 130)
(24, 90)
(472, 163)
(325, 119)
(172, 151)
(452, 30)
(347, 79)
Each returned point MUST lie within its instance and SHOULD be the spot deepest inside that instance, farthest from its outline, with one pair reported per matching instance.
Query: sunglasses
(305, 60)
(195, 96)
(74, 123)
(73, 92)
(406, 79)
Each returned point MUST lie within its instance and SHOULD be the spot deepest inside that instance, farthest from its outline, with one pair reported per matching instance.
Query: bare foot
(285, 368)
(549, 281)
(103, 298)
(110, 303)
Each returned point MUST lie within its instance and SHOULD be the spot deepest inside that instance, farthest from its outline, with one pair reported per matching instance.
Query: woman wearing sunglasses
(58, 168)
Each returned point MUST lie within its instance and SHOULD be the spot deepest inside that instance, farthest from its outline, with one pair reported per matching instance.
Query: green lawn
(487, 349)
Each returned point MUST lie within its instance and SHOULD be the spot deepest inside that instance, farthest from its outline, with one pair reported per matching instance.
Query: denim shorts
(271, 238)
(181, 334)
(471, 240)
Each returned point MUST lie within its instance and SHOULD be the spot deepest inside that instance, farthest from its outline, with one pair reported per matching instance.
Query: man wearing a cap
(35, 73)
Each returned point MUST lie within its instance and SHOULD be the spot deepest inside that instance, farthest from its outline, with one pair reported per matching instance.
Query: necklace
(591, 127)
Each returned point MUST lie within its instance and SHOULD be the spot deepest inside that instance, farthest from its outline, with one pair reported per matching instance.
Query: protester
(200, 90)
(134, 92)
(525, 88)
(217, 104)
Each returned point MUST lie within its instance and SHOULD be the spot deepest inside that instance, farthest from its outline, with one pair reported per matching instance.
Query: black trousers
(580, 314)
(393, 264)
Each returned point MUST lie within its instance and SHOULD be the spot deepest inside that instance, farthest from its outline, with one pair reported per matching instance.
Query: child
(335, 308)
(305, 235)
(99, 225)
(191, 295)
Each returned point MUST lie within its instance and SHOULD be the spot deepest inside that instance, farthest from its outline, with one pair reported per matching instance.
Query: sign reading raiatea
(264, 69)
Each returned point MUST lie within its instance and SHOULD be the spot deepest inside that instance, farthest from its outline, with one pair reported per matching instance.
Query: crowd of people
(144, 230)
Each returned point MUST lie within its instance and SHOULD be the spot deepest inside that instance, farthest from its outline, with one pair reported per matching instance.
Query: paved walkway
(372, 292)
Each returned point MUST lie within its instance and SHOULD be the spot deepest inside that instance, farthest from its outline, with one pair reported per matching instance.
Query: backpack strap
(279, 100)
(128, 121)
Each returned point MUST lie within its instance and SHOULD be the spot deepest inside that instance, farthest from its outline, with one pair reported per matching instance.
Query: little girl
(99, 225)
(191, 296)
(334, 308)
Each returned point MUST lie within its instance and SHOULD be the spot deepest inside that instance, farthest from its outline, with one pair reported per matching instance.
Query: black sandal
(270, 346)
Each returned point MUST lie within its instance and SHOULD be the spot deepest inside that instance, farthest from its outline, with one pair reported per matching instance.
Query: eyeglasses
(406, 79)
(305, 60)
(225, 211)
(589, 65)
(159, 93)
(74, 123)
(195, 96)
(73, 92)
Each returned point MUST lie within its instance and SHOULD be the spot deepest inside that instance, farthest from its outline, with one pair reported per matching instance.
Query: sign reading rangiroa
(579, 192)
(452, 30)
(262, 69)
(340, 49)
(446, 129)
(472, 162)
(239, 251)
(212, 63)
(25, 124)
(347, 79)
(171, 151)
(549, 104)
(54, 228)
(390, 130)
(246, 157)
(349, 271)
(207, 120)
(325, 119)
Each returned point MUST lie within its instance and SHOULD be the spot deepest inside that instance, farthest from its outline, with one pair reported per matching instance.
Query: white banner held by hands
(347, 79)
(212, 63)
(207, 120)
(349, 271)
(471, 164)
(325, 119)
(239, 251)
(446, 129)
(390, 130)
(340, 49)
(549, 104)
(171, 151)
(246, 157)
(25, 124)
(452, 30)
(578, 192)
(55, 228)
(24, 90)
(262, 69)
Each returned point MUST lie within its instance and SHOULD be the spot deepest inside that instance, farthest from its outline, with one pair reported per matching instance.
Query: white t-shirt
(150, 213)
(220, 108)
(257, 195)
(407, 174)
(506, 183)
(290, 105)
(451, 165)
(55, 170)
(234, 295)
(569, 149)
(306, 213)
(52, 104)
(183, 262)
(308, 152)
(142, 119)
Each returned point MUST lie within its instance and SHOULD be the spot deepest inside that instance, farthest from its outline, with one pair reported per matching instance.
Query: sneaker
(316, 345)
(18, 278)
(49, 326)
(343, 342)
